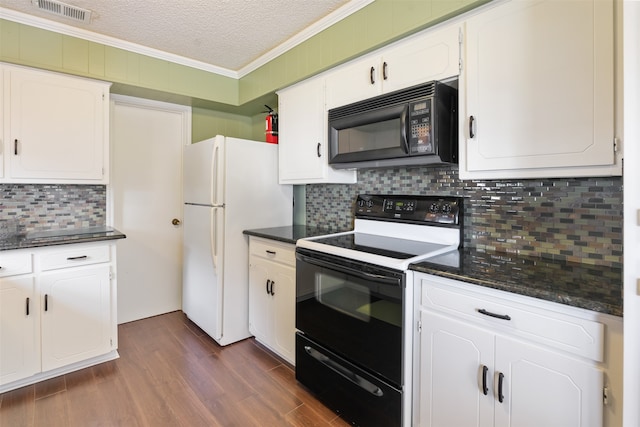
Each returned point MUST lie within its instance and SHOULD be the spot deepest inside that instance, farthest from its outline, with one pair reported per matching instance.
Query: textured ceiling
(223, 33)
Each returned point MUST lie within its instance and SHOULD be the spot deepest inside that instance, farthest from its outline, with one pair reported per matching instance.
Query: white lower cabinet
(58, 316)
(19, 318)
(527, 367)
(272, 295)
(76, 315)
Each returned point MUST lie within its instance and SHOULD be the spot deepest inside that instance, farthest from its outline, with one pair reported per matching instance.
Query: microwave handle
(404, 122)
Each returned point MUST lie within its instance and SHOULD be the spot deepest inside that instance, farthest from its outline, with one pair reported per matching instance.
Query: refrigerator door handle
(214, 237)
(214, 174)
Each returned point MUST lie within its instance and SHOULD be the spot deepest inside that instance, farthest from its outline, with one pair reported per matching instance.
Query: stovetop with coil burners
(394, 231)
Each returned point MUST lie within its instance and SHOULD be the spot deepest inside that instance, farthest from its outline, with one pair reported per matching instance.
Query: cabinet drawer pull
(497, 316)
(318, 149)
(371, 75)
(267, 287)
(472, 122)
(272, 283)
(15, 147)
(270, 252)
(27, 306)
(46, 302)
(77, 258)
(384, 70)
(500, 382)
(485, 389)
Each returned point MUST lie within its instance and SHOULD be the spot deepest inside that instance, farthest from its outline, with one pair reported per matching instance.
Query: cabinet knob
(175, 221)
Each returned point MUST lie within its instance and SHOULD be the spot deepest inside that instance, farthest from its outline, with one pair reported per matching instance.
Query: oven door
(354, 309)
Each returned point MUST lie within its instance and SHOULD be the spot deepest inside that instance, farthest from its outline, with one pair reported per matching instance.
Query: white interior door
(146, 196)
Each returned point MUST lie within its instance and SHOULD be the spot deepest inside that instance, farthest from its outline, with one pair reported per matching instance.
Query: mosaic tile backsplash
(37, 207)
(571, 219)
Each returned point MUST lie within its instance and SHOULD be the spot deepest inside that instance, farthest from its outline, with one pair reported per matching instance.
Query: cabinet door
(260, 309)
(58, 127)
(302, 148)
(433, 55)
(76, 315)
(539, 90)
(545, 388)
(302, 136)
(3, 127)
(452, 357)
(355, 81)
(284, 311)
(19, 329)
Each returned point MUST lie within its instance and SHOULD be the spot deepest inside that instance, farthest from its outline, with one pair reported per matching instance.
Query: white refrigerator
(230, 185)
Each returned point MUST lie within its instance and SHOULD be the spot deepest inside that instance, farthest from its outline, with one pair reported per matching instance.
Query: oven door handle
(351, 271)
(344, 372)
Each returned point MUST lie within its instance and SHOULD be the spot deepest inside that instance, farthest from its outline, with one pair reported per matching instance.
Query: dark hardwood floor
(171, 374)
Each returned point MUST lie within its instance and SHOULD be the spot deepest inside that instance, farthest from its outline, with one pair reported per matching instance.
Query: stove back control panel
(443, 210)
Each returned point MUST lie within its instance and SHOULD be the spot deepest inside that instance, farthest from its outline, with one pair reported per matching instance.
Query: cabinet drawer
(74, 256)
(499, 312)
(14, 264)
(272, 250)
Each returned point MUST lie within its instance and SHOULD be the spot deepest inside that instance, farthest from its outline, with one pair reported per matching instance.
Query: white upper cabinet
(537, 91)
(302, 140)
(430, 55)
(3, 117)
(56, 128)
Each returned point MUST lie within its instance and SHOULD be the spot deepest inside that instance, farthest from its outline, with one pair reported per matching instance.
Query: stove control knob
(434, 208)
(446, 208)
(369, 203)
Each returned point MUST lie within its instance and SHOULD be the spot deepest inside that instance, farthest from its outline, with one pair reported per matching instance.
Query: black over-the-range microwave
(413, 126)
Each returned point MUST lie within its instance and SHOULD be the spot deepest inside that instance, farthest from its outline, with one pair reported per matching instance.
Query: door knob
(175, 221)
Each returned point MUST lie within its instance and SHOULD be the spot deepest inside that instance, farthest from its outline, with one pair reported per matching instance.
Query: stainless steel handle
(175, 221)
(384, 70)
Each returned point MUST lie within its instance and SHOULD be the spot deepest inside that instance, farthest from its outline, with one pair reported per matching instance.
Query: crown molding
(57, 27)
(316, 28)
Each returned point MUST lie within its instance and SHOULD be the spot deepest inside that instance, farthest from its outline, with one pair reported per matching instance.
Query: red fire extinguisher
(271, 121)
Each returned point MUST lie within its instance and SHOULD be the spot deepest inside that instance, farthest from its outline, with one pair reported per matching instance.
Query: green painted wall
(238, 102)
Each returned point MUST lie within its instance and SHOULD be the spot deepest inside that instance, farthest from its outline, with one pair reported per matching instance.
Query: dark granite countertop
(290, 233)
(585, 286)
(37, 239)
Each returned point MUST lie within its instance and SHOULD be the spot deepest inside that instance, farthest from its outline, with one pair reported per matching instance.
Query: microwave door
(369, 135)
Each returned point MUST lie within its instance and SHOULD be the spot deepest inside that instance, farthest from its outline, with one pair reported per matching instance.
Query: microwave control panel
(420, 127)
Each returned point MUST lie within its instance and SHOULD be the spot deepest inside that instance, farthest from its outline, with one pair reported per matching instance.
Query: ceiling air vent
(62, 9)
